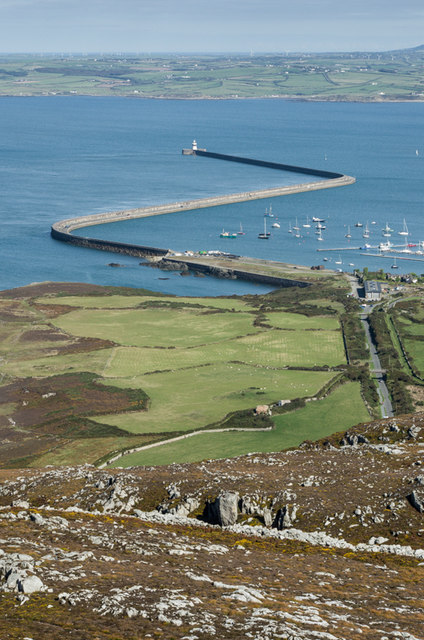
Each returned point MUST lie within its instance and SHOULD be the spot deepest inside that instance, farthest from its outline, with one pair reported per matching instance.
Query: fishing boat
(348, 234)
(269, 213)
(265, 235)
(241, 232)
(227, 234)
(404, 231)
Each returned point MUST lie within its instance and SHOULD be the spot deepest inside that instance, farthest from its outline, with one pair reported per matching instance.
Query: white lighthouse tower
(194, 145)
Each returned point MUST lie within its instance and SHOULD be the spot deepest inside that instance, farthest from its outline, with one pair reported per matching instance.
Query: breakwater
(64, 229)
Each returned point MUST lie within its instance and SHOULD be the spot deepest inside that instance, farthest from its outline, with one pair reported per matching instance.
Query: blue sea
(62, 157)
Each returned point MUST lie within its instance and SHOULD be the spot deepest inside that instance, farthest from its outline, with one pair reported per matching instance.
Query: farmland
(363, 76)
(89, 375)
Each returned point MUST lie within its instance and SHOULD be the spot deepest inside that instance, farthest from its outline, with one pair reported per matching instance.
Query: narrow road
(386, 405)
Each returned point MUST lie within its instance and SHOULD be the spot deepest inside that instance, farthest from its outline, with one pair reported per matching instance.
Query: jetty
(64, 229)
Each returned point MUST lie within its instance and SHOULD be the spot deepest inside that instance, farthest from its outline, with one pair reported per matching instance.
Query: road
(386, 405)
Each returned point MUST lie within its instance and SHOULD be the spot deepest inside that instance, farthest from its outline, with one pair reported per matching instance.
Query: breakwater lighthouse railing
(64, 229)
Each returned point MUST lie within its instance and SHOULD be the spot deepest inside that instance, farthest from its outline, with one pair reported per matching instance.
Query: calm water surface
(61, 157)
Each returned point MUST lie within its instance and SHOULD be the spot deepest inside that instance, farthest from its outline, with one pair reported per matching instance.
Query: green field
(166, 328)
(410, 325)
(316, 420)
(191, 398)
(131, 302)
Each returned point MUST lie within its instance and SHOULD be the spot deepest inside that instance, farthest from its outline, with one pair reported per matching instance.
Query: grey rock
(413, 431)
(267, 517)
(24, 504)
(30, 584)
(37, 518)
(224, 510)
(416, 501)
(14, 578)
(283, 519)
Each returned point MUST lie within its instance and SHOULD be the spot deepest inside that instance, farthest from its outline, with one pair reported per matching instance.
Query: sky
(209, 26)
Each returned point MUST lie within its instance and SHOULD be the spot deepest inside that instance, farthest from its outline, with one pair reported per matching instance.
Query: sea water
(64, 157)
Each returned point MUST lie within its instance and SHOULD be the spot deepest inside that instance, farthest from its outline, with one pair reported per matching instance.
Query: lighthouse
(194, 149)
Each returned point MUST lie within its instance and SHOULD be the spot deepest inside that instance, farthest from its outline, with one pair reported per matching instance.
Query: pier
(63, 230)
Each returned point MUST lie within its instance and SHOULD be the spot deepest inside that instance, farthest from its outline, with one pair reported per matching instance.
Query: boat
(319, 236)
(320, 226)
(325, 259)
(306, 225)
(394, 265)
(241, 232)
(348, 234)
(290, 228)
(296, 227)
(265, 235)
(358, 224)
(404, 231)
(275, 225)
(269, 213)
(385, 246)
(339, 261)
(387, 229)
(317, 219)
(227, 234)
(366, 233)
(351, 264)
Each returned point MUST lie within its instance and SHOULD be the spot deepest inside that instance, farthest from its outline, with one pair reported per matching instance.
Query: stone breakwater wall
(63, 230)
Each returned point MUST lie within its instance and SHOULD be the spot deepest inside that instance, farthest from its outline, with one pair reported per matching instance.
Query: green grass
(285, 320)
(157, 327)
(130, 302)
(192, 398)
(416, 348)
(317, 420)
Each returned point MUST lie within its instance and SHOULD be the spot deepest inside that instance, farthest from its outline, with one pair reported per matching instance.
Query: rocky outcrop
(223, 510)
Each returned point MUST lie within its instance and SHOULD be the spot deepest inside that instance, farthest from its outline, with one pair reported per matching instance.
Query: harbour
(82, 171)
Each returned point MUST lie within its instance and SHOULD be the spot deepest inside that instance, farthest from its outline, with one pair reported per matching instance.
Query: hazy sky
(209, 25)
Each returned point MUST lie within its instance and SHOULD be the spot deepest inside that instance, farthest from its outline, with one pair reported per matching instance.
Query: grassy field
(166, 328)
(198, 360)
(131, 302)
(316, 420)
(191, 398)
(409, 321)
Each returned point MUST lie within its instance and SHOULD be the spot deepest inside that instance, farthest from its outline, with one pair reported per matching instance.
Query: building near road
(372, 290)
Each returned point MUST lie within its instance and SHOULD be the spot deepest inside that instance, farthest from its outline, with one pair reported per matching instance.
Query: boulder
(30, 584)
(224, 510)
(416, 501)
